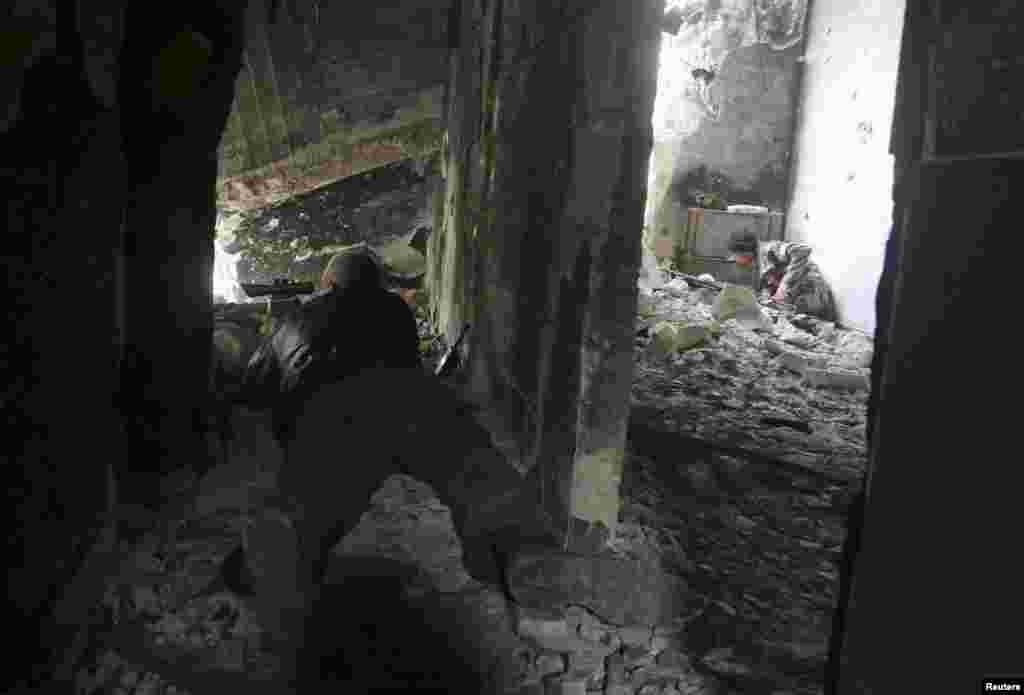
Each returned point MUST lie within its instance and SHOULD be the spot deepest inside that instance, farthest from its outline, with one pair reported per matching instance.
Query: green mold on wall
(595, 486)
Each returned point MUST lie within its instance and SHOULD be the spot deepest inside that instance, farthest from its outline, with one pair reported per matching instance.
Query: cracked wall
(724, 114)
(843, 173)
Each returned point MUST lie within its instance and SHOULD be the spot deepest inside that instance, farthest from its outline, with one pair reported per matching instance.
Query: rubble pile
(747, 446)
(725, 368)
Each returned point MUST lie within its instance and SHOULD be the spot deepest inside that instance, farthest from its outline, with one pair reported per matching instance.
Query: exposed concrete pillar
(623, 99)
(549, 134)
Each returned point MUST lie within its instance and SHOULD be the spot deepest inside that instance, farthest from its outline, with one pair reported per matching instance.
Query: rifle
(450, 361)
(278, 289)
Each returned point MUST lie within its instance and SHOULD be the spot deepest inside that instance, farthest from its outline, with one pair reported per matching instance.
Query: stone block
(615, 669)
(545, 631)
(690, 335)
(591, 629)
(664, 339)
(618, 690)
(588, 661)
(635, 636)
(666, 639)
(734, 299)
(672, 658)
(837, 378)
(566, 686)
(549, 664)
(620, 591)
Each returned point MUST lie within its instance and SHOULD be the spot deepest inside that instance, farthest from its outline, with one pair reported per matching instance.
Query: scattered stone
(688, 336)
(552, 634)
(567, 686)
(231, 654)
(734, 299)
(795, 362)
(615, 669)
(677, 286)
(837, 379)
(145, 601)
(752, 318)
(638, 656)
(590, 628)
(672, 658)
(549, 664)
(618, 689)
(856, 348)
(588, 661)
(653, 675)
(635, 636)
(620, 590)
(665, 339)
(694, 683)
(645, 305)
(724, 661)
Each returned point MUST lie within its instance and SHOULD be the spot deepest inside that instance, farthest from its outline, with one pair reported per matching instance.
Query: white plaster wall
(842, 196)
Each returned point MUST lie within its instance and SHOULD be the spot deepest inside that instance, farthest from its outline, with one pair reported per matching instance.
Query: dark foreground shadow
(369, 635)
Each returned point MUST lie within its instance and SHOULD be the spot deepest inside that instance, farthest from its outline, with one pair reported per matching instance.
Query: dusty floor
(749, 512)
(398, 592)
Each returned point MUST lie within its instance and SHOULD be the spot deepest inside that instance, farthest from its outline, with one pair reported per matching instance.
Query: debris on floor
(747, 443)
(745, 452)
(787, 365)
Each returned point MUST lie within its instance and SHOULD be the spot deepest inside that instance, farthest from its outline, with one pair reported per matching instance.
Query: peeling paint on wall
(712, 30)
(725, 105)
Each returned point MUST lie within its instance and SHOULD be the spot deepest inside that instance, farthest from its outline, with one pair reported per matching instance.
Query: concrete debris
(689, 335)
(837, 378)
(734, 300)
(753, 318)
(664, 339)
(645, 305)
(677, 286)
(651, 277)
(764, 428)
(745, 371)
(669, 338)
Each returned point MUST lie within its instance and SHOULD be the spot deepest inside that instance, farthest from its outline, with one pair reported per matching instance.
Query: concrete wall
(843, 173)
(327, 93)
(734, 134)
